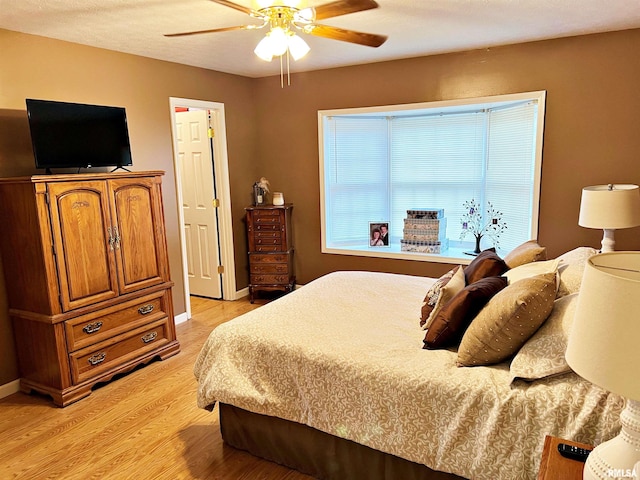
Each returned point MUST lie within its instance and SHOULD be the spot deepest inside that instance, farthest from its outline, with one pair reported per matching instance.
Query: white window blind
(436, 163)
(510, 169)
(376, 167)
(356, 177)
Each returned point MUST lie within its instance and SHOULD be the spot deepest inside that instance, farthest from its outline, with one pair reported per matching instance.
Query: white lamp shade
(263, 49)
(604, 343)
(278, 41)
(297, 46)
(603, 208)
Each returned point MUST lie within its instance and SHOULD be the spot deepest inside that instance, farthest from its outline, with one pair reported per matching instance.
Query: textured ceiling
(414, 27)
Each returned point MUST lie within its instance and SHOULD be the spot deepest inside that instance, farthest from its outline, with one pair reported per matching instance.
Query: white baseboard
(178, 319)
(245, 292)
(242, 293)
(9, 388)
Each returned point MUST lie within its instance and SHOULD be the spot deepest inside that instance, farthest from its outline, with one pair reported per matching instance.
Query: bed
(335, 372)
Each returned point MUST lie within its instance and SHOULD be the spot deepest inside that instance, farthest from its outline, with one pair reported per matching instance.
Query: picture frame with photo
(378, 234)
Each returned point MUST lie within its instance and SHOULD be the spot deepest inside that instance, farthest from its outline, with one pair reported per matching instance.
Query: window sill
(453, 255)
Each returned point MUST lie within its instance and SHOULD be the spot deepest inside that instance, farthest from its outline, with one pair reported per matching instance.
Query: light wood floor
(142, 426)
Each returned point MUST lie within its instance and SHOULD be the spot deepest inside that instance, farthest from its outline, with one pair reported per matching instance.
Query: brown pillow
(526, 253)
(453, 319)
(486, 264)
(508, 321)
(440, 293)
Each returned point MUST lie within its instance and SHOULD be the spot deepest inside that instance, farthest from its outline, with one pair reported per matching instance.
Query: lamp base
(617, 458)
(608, 240)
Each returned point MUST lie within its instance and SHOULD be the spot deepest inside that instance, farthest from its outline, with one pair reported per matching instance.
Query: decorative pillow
(528, 270)
(571, 268)
(543, 354)
(452, 320)
(440, 293)
(526, 253)
(486, 264)
(508, 321)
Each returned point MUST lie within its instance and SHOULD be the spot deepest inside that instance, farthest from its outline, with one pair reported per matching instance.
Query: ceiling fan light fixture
(286, 17)
(297, 46)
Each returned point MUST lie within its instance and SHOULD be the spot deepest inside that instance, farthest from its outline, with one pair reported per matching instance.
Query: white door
(198, 197)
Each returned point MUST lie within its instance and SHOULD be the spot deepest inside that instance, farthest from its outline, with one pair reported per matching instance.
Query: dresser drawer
(269, 279)
(269, 241)
(269, 268)
(268, 248)
(266, 218)
(97, 326)
(98, 359)
(268, 235)
(268, 227)
(269, 258)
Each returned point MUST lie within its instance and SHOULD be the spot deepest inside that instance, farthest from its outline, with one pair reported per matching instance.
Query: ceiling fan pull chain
(281, 74)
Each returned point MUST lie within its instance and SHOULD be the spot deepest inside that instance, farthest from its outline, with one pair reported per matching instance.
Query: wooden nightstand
(554, 466)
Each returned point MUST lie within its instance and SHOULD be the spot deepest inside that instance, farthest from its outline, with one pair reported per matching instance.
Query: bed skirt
(313, 452)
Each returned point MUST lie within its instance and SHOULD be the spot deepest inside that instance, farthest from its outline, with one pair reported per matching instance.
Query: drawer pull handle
(149, 337)
(146, 309)
(97, 358)
(92, 327)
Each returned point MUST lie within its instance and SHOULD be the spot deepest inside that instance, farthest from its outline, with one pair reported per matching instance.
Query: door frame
(223, 192)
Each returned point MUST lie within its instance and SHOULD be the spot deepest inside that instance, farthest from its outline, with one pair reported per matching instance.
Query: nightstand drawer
(102, 324)
(99, 358)
(268, 279)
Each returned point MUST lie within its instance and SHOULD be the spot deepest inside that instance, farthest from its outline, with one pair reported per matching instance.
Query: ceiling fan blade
(342, 7)
(235, 6)
(334, 33)
(213, 30)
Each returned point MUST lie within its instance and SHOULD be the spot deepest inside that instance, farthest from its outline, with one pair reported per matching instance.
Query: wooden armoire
(87, 278)
(270, 240)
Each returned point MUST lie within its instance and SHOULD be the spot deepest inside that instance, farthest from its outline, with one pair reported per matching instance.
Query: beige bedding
(344, 355)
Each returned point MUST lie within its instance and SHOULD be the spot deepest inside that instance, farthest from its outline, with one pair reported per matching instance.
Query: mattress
(343, 354)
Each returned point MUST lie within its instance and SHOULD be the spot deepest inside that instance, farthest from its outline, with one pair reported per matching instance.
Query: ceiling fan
(284, 20)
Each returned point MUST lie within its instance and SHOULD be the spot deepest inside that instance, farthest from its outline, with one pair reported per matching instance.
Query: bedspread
(343, 354)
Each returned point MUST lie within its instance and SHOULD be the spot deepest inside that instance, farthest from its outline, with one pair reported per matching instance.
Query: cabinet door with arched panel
(83, 242)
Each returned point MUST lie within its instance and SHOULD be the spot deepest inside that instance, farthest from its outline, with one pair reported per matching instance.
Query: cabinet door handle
(97, 358)
(145, 309)
(117, 236)
(149, 337)
(111, 239)
(92, 327)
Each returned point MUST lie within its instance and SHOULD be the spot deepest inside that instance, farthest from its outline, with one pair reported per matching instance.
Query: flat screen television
(75, 135)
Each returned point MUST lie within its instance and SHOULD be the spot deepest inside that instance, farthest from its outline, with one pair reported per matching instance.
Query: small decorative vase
(477, 249)
(278, 198)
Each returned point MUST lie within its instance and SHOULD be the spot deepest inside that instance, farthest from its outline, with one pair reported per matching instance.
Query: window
(378, 162)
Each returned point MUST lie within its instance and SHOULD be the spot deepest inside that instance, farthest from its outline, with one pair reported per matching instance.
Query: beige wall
(591, 133)
(37, 67)
(593, 114)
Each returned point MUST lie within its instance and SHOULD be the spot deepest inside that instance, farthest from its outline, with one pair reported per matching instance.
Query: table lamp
(604, 348)
(610, 207)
